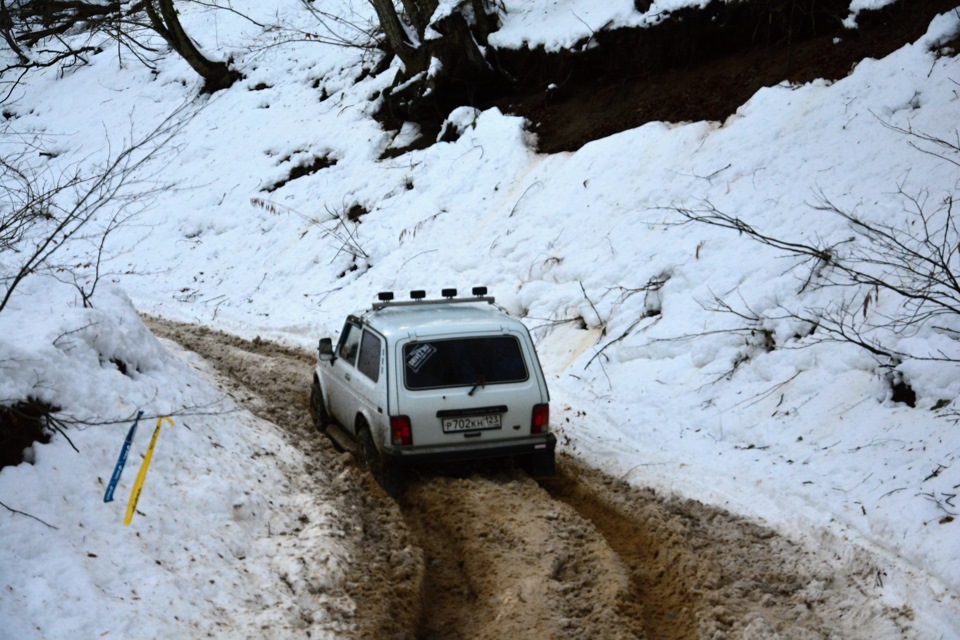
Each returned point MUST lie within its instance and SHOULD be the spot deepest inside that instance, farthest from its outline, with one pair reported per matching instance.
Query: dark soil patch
(21, 425)
(301, 170)
(704, 64)
(697, 64)
(355, 212)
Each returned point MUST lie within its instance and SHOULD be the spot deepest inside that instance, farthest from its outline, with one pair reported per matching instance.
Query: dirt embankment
(696, 63)
(700, 64)
(490, 553)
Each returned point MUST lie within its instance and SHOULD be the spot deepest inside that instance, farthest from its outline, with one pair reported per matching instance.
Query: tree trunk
(458, 49)
(463, 71)
(216, 75)
(397, 39)
(6, 25)
(419, 12)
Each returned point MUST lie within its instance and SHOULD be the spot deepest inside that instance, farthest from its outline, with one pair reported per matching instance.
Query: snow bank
(217, 522)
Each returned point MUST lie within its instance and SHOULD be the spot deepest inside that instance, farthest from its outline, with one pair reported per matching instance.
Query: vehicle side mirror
(325, 350)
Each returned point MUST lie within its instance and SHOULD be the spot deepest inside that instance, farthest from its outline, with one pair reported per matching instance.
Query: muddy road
(489, 553)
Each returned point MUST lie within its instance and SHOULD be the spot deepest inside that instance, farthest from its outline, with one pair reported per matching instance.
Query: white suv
(442, 380)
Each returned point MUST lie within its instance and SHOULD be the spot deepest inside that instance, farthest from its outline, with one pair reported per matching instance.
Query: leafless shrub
(411, 232)
(652, 305)
(652, 298)
(62, 34)
(916, 262)
(340, 225)
(58, 223)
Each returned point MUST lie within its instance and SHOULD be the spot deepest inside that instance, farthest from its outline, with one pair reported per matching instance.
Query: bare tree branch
(916, 261)
(22, 513)
(42, 217)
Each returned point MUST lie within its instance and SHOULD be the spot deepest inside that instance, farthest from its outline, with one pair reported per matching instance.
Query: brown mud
(490, 553)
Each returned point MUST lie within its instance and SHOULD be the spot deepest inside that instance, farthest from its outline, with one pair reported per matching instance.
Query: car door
(369, 383)
(341, 402)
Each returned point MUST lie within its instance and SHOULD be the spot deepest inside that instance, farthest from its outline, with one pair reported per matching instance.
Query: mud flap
(539, 465)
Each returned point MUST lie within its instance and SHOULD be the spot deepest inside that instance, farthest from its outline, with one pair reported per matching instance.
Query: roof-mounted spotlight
(385, 296)
(448, 293)
(479, 291)
(418, 294)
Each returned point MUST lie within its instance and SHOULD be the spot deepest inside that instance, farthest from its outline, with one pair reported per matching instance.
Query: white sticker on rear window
(416, 358)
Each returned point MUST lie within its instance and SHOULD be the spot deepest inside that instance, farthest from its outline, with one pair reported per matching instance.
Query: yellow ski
(138, 485)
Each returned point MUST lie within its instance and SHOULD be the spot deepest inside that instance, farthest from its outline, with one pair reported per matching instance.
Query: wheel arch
(362, 420)
(324, 395)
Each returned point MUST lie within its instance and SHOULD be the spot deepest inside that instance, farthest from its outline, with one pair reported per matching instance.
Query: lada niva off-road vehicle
(434, 381)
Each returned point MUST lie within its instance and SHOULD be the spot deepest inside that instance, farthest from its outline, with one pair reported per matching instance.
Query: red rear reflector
(400, 431)
(541, 418)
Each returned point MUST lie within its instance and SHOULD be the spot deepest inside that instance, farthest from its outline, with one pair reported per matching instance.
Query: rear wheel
(318, 410)
(368, 456)
(539, 465)
(388, 476)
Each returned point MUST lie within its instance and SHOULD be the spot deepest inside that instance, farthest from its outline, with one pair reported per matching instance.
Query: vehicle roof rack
(418, 298)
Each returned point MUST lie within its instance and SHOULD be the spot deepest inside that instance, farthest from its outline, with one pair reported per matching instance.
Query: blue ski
(108, 496)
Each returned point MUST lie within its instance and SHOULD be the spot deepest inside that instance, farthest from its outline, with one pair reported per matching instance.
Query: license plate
(471, 423)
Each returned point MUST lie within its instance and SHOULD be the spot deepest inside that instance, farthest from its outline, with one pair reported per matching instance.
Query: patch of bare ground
(489, 553)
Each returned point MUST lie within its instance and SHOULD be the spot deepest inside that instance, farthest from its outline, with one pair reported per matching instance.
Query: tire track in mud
(504, 560)
(489, 553)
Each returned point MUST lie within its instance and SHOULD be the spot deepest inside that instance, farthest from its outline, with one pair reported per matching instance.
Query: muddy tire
(367, 454)
(539, 465)
(318, 410)
(390, 477)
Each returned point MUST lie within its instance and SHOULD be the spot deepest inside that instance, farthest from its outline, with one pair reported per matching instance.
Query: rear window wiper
(481, 382)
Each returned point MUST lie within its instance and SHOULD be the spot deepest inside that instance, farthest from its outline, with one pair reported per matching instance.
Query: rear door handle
(346, 376)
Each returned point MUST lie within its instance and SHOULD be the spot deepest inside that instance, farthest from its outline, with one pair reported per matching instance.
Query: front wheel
(318, 410)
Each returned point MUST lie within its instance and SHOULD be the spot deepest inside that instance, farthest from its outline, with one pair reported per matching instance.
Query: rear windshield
(463, 362)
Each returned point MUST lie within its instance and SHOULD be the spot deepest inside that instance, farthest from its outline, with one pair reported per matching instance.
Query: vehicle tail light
(400, 431)
(541, 418)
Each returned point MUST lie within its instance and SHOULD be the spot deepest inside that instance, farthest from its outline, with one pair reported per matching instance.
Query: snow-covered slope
(804, 437)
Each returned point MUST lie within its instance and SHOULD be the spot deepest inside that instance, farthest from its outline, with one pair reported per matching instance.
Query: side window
(349, 343)
(369, 363)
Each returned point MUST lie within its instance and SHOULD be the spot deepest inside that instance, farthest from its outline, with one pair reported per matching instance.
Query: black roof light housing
(418, 297)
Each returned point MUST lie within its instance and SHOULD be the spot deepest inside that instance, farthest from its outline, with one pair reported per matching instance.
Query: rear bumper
(539, 444)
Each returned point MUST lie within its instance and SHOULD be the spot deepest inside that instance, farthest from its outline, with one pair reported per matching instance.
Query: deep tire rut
(489, 553)
(503, 559)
